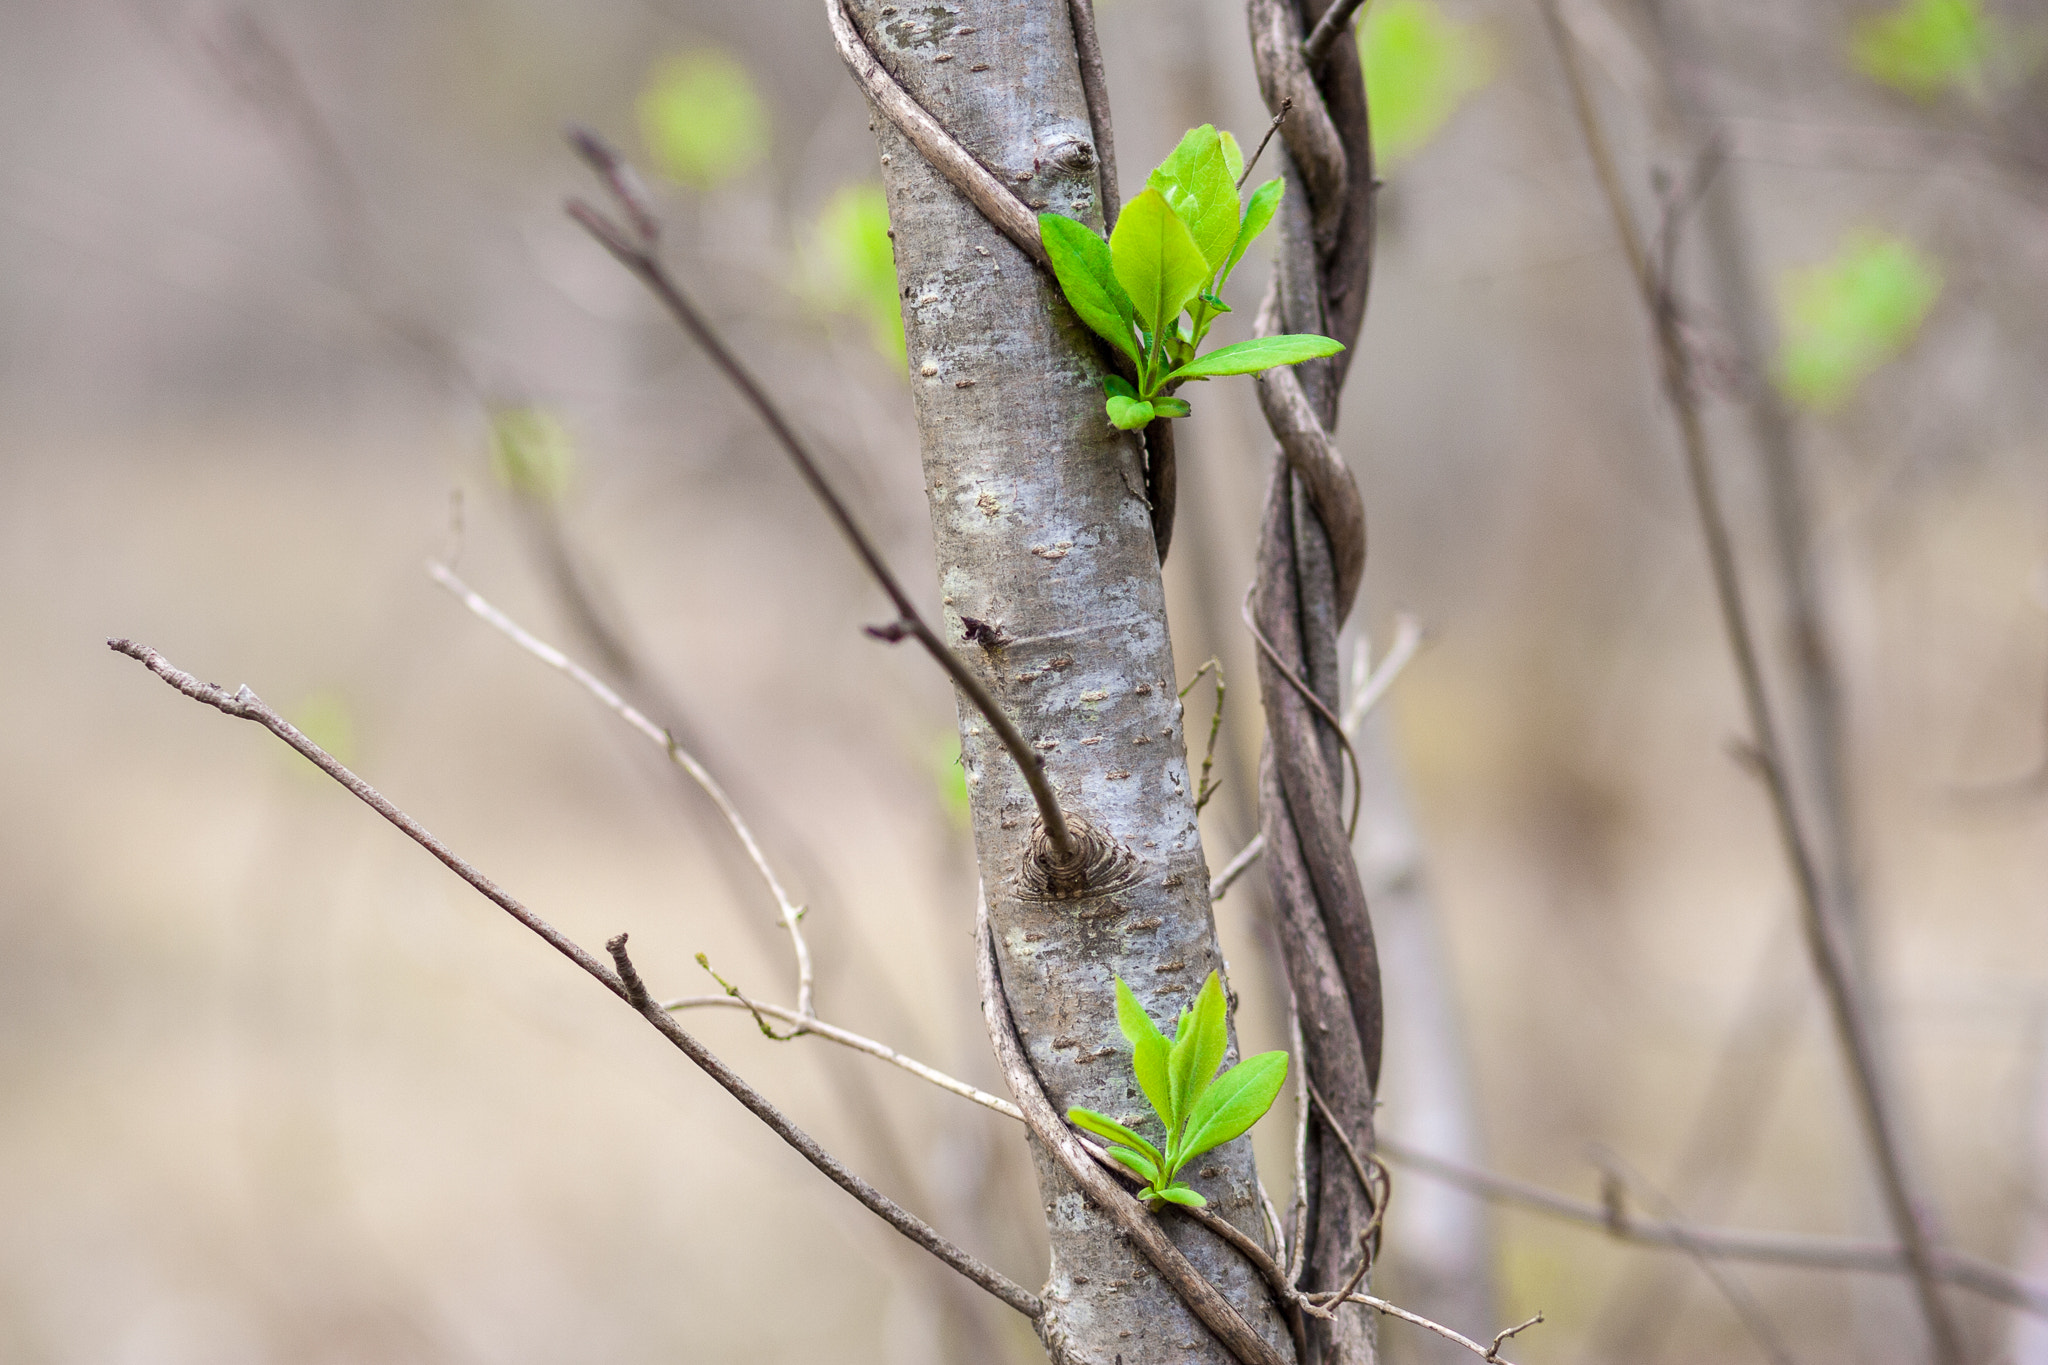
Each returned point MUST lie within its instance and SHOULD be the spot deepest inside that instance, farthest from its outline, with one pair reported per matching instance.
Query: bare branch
(1286, 106)
(1906, 1209)
(1370, 685)
(623, 982)
(792, 913)
(1972, 1273)
(1747, 1310)
(1486, 1353)
(1236, 867)
(1204, 788)
(811, 1024)
(639, 258)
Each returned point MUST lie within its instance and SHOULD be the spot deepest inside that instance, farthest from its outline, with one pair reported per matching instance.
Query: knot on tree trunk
(1095, 866)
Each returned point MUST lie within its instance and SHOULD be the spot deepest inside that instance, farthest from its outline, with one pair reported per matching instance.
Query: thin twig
(1297, 1242)
(1369, 686)
(1829, 960)
(1490, 1354)
(638, 255)
(1286, 105)
(1316, 704)
(848, 1038)
(792, 913)
(1964, 1271)
(1323, 36)
(1493, 1351)
(1236, 867)
(1743, 1303)
(1204, 788)
(1375, 1190)
(623, 982)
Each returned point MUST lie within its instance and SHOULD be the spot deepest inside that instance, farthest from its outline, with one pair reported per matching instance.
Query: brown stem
(637, 255)
(1829, 959)
(624, 982)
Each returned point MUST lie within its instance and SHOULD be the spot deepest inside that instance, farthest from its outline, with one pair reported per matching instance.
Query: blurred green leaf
(328, 720)
(1846, 316)
(531, 453)
(702, 119)
(852, 264)
(951, 775)
(1419, 67)
(1925, 48)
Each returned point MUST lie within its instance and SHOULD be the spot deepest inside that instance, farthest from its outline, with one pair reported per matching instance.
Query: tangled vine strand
(1310, 560)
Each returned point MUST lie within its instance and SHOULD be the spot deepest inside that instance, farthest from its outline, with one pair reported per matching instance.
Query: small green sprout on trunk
(1198, 1108)
(1173, 249)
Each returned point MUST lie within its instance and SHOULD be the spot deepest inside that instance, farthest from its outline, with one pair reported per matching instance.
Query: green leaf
(1843, 318)
(1198, 184)
(1419, 67)
(1171, 407)
(1258, 215)
(1155, 259)
(1199, 1045)
(1137, 1163)
(1178, 1194)
(1081, 262)
(1148, 1045)
(1260, 353)
(1233, 157)
(1117, 384)
(1102, 1125)
(1924, 48)
(531, 453)
(850, 264)
(1128, 414)
(701, 118)
(1239, 1099)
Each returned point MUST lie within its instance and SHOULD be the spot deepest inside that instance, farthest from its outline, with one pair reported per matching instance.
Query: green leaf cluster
(1420, 65)
(1155, 287)
(1846, 316)
(1198, 1108)
(702, 119)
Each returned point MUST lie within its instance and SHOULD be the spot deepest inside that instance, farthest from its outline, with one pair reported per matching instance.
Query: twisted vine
(1310, 560)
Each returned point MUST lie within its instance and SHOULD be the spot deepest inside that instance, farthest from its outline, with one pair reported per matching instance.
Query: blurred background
(288, 306)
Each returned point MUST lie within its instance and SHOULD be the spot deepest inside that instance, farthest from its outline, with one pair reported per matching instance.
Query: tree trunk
(1043, 532)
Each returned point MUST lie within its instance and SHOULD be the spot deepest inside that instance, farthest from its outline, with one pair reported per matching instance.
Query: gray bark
(1042, 528)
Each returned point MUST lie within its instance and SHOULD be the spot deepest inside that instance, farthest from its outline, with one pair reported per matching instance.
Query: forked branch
(623, 982)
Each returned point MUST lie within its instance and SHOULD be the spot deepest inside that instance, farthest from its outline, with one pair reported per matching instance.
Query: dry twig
(792, 913)
(1972, 1273)
(637, 252)
(621, 981)
(1829, 958)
